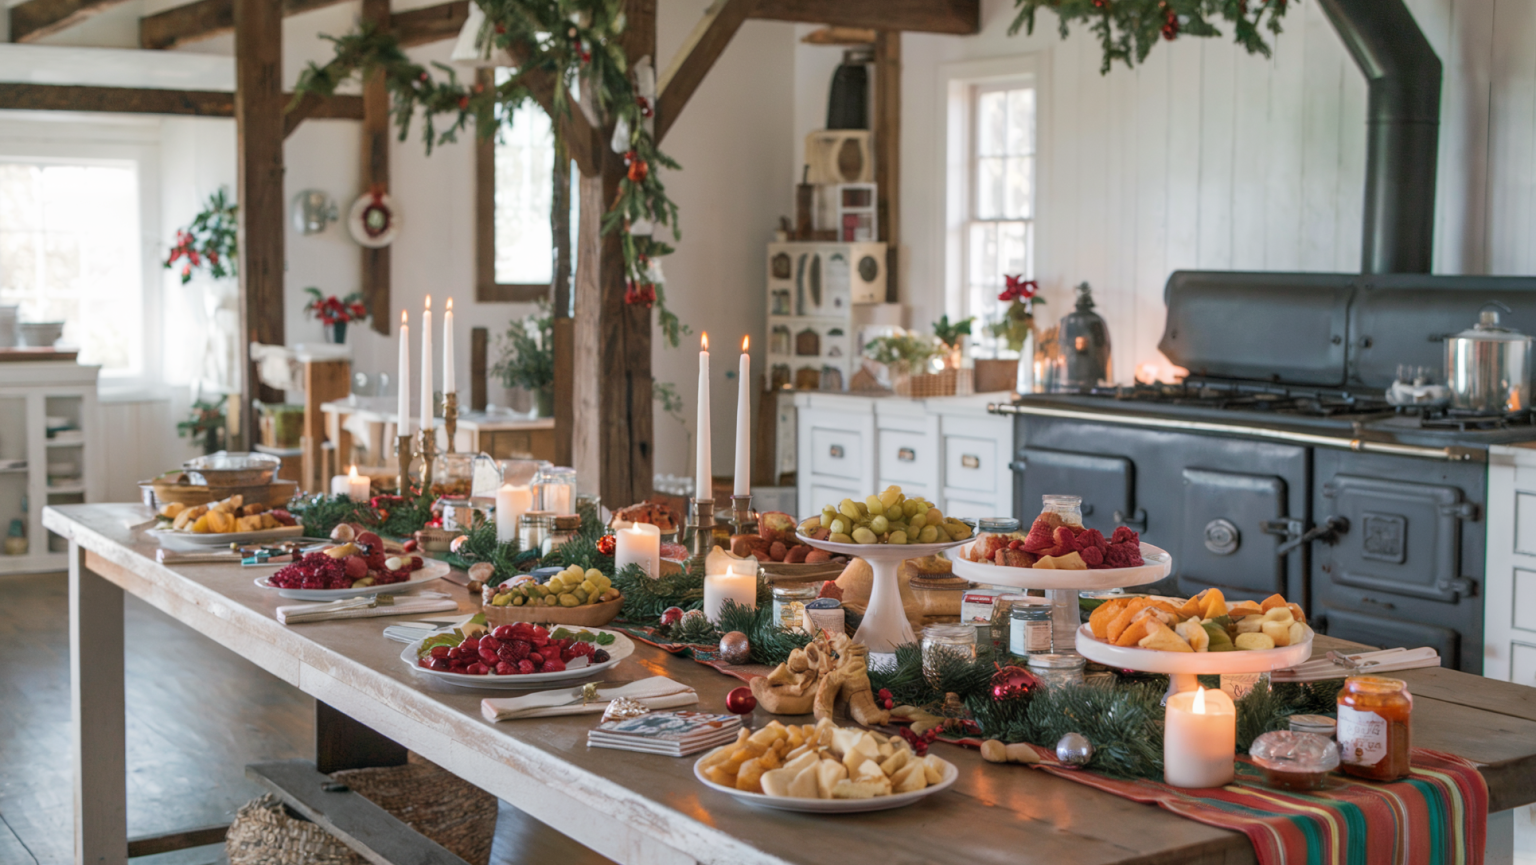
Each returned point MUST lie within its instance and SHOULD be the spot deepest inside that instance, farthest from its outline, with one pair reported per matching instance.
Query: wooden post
(888, 151)
(560, 295)
(259, 124)
(375, 166)
(99, 730)
(479, 353)
(324, 380)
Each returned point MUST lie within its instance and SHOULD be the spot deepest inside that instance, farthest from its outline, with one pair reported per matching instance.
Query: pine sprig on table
(321, 513)
(645, 598)
(771, 642)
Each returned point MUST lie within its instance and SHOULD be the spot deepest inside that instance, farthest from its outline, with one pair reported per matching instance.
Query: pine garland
(321, 513)
(645, 599)
(1127, 29)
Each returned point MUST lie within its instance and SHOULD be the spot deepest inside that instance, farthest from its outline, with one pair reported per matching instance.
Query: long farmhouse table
(627, 806)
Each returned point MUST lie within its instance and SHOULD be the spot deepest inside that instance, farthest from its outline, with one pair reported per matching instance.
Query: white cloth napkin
(1365, 664)
(349, 608)
(657, 692)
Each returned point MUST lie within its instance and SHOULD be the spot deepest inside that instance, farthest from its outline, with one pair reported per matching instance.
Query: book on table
(675, 733)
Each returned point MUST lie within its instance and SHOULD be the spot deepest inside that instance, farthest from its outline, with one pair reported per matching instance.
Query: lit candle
(638, 544)
(357, 486)
(703, 473)
(511, 503)
(738, 583)
(426, 366)
(448, 383)
(744, 423)
(403, 379)
(1199, 739)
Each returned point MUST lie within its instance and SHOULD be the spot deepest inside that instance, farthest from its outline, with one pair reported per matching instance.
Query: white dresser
(948, 450)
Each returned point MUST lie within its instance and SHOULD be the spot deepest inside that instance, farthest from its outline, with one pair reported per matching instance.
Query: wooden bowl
(585, 616)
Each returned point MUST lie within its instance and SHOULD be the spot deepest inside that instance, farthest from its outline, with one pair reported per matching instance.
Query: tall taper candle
(403, 378)
(448, 348)
(744, 422)
(703, 472)
(426, 366)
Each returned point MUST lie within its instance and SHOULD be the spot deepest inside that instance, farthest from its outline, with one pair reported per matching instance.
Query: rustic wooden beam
(202, 19)
(698, 54)
(154, 100)
(261, 225)
(314, 106)
(887, 137)
(430, 23)
(375, 174)
(182, 839)
(961, 17)
(34, 19)
(479, 366)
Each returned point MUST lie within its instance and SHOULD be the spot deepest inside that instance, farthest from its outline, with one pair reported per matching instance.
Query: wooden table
(645, 808)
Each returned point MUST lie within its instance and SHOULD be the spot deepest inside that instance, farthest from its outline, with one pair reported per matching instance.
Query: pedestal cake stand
(1183, 667)
(885, 624)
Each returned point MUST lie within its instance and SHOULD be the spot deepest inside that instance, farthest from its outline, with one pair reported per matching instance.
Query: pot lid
(1488, 329)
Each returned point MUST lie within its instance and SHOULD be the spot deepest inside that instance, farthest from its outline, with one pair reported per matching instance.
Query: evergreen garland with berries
(1127, 29)
(209, 241)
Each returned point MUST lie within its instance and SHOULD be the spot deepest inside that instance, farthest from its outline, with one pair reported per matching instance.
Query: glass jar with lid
(944, 645)
(1030, 631)
(533, 527)
(564, 527)
(453, 475)
(1056, 670)
(789, 602)
(1066, 510)
(997, 525)
(554, 489)
(1374, 727)
(520, 472)
(1001, 622)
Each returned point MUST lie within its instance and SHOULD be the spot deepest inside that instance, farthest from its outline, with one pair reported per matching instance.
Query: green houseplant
(528, 358)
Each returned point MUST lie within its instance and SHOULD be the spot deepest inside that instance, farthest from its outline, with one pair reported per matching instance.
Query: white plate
(1158, 564)
(431, 569)
(833, 806)
(173, 539)
(1193, 663)
(621, 648)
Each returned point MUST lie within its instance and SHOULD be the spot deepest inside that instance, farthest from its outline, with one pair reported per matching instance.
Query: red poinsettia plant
(333, 310)
(1018, 319)
(209, 241)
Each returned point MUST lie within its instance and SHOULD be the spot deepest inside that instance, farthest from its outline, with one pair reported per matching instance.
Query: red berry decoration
(740, 701)
(638, 169)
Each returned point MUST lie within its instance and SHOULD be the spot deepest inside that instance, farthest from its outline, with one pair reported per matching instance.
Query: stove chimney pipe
(1403, 118)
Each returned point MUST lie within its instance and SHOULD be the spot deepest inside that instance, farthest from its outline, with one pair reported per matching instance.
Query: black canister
(1084, 343)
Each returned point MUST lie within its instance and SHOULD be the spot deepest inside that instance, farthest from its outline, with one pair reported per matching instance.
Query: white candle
(511, 503)
(703, 472)
(738, 583)
(403, 379)
(1199, 739)
(448, 383)
(744, 423)
(426, 366)
(638, 544)
(357, 486)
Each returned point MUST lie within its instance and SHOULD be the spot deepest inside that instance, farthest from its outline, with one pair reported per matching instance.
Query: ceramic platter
(172, 539)
(833, 806)
(431, 569)
(1191, 663)
(1158, 564)
(621, 648)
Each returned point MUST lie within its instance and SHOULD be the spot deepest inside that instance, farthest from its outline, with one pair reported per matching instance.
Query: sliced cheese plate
(833, 806)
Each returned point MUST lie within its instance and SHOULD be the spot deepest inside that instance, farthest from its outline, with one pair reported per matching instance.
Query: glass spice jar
(1057, 671)
(453, 474)
(1001, 624)
(1374, 731)
(1068, 508)
(789, 603)
(1030, 633)
(941, 643)
(563, 530)
(533, 527)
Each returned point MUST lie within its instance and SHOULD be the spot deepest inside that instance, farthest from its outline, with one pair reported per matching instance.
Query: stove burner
(1238, 396)
(1466, 420)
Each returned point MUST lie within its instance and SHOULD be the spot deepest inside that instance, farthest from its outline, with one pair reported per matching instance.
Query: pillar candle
(638, 544)
(426, 366)
(703, 473)
(357, 486)
(738, 583)
(744, 423)
(403, 379)
(448, 382)
(511, 503)
(1199, 739)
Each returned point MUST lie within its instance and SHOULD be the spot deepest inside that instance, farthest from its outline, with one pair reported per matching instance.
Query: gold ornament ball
(734, 648)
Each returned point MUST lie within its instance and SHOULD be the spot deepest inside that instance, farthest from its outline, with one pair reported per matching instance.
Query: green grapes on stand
(887, 518)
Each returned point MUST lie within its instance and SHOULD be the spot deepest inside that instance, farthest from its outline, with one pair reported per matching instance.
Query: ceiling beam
(429, 23)
(693, 61)
(151, 100)
(200, 20)
(961, 17)
(34, 19)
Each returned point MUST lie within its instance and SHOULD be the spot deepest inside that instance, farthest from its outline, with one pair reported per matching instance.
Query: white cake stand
(1183, 667)
(885, 623)
(1062, 587)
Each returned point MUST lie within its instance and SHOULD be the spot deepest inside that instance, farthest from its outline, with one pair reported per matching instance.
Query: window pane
(990, 187)
(1021, 121)
(525, 154)
(1013, 247)
(69, 252)
(1019, 169)
(991, 123)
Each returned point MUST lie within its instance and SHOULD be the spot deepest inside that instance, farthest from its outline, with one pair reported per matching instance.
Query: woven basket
(434, 802)
(263, 833)
(950, 382)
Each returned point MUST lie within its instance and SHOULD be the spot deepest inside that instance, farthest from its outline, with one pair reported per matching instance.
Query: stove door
(1388, 633)
(1224, 542)
(1402, 537)
(1104, 482)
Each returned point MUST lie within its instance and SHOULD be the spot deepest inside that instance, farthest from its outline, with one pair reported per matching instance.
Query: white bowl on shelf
(40, 334)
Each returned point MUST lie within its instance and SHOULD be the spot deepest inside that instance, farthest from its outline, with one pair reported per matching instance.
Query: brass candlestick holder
(699, 534)
(450, 418)
(428, 451)
(743, 518)
(403, 454)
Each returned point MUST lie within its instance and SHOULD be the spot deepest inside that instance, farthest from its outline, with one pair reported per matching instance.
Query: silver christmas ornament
(1074, 749)
(734, 648)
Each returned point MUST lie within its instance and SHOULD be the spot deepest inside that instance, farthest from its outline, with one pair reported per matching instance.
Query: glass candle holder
(944, 645)
(554, 489)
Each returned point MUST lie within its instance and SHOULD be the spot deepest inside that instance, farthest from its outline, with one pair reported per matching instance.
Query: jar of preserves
(789, 603)
(563, 530)
(1374, 730)
(1031, 631)
(1066, 510)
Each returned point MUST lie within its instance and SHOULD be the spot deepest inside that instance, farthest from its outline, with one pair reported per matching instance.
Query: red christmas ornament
(671, 616)
(606, 544)
(1013, 683)
(740, 701)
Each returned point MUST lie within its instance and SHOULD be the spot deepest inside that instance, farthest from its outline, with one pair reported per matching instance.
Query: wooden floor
(197, 713)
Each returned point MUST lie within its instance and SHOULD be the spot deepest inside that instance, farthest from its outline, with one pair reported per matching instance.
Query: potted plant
(205, 420)
(1016, 327)
(953, 336)
(336, 313)
(528, 358)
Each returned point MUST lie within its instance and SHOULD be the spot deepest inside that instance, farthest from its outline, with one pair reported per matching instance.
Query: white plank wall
(1207, 157)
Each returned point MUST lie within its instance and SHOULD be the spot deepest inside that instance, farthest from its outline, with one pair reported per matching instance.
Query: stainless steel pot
(1488, 368)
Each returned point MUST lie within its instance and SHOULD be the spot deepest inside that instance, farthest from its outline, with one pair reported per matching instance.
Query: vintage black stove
(1279, 466)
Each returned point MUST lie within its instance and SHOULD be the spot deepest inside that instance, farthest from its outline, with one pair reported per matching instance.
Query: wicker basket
(264, 833)
(950, 382)
(584, 616)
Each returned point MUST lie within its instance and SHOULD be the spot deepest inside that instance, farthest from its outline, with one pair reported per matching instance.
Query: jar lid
(949, 631)
(1057, 662)
(568, 521)
(799, 590)
(537, 518)
(998, 524)
(1313, 724)
(1039, 612)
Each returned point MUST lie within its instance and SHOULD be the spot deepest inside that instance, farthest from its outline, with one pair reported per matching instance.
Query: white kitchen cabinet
(1509, 584)
(48, 453)
(835, 449)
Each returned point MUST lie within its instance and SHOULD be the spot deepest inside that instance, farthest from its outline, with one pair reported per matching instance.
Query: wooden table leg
(343, 743)
(96, 697)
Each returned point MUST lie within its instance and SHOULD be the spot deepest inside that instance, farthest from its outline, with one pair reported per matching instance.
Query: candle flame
(450, 304)
(1198, 707)
(704, 341)
(745, 341)
(429, 301)
(353, 473)
(404, 316)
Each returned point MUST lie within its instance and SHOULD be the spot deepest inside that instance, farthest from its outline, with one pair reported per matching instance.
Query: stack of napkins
(676, 734)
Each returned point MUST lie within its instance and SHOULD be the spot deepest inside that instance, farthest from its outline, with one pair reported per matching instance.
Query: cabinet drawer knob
(906, 455)
(836, 452)
(970, 461)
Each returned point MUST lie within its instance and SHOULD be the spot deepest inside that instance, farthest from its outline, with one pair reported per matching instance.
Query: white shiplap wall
(1207, 157)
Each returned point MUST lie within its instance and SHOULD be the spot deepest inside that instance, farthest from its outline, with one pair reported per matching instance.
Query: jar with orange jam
(1374, 727)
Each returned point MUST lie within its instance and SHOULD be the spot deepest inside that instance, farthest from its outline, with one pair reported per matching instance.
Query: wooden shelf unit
(30, 392)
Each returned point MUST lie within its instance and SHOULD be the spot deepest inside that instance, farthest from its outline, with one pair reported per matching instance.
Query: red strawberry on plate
(1040, 538)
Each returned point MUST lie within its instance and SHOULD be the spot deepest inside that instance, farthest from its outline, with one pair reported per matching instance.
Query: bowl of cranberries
(519, 655)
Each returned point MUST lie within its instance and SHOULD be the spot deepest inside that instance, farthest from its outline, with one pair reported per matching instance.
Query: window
(998, 231)
(70, 252)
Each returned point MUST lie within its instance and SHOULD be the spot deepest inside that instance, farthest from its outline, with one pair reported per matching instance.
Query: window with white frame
(998, 230)
(525, 155)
